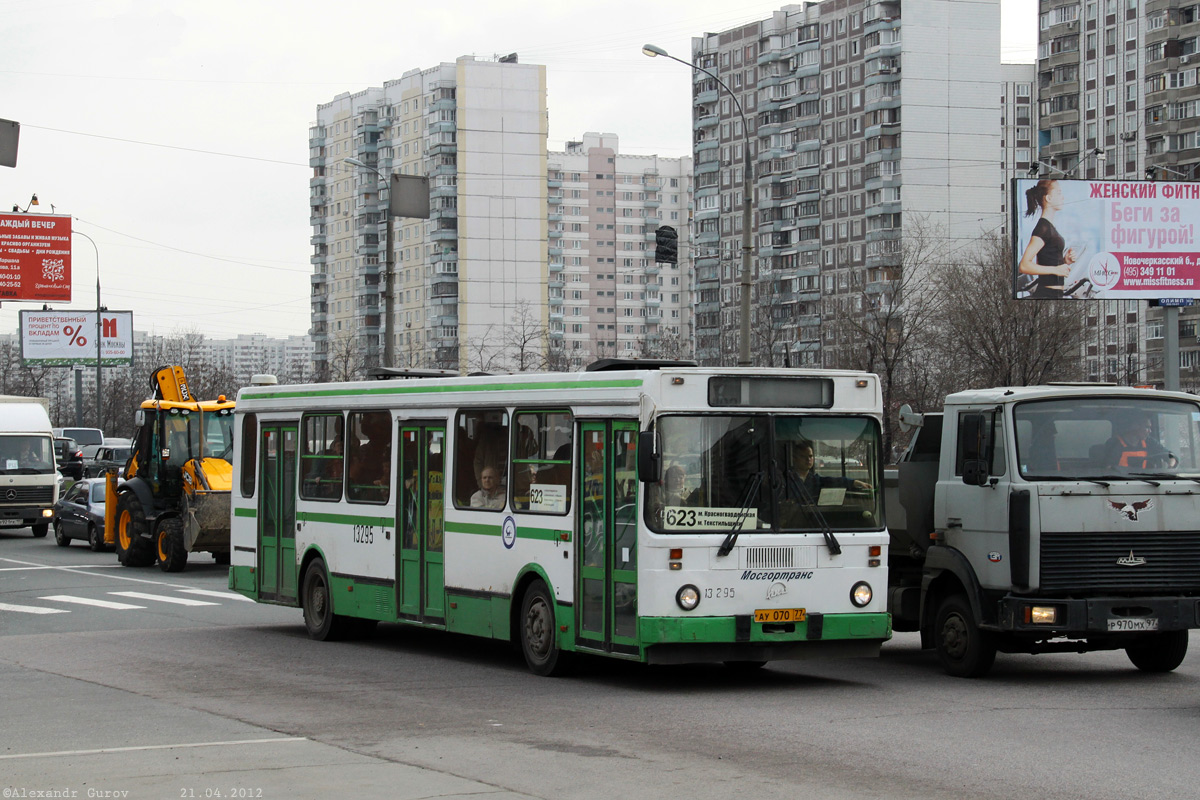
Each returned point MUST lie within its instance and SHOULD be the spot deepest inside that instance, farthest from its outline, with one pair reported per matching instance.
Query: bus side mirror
(649, 459)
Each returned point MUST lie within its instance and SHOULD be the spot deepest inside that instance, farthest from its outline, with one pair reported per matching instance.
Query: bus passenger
(490, 495)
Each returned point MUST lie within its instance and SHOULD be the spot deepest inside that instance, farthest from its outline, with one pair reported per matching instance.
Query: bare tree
(525, 340)
(484, 353)
(880, 328)
(666, 343)
(999, 340)
(346, 359)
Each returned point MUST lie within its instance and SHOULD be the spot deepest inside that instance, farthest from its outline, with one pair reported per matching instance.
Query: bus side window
(542, 462)
(369, 457)
(481, 441)
(321, 457)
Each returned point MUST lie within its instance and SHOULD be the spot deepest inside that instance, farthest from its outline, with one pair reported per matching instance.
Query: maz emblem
(1130, 510)
(1131, 560)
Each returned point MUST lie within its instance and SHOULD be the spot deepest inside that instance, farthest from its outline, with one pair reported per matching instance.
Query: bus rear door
(277, 512)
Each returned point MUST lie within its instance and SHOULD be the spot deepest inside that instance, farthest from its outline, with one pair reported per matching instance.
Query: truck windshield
(1090, 438)
(26, 455)
(771, 473)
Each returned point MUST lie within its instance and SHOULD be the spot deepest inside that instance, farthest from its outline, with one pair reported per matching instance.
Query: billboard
(68, 338)
(35, 257)
(1106, 240)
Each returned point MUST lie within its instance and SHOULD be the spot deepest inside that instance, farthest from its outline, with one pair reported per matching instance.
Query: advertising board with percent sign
(68, 338)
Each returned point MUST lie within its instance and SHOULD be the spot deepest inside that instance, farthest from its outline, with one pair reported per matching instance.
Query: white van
(28, 475)
(82, 436)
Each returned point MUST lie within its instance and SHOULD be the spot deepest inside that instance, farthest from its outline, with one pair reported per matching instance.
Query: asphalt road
(231, 699)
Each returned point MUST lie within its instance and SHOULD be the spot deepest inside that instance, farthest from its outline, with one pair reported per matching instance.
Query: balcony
(555, 266)
(445, 235)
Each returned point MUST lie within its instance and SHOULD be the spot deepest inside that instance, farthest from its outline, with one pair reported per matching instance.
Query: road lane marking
(68, 569)
(80, 570)
(179, 601)
(87, 601)
(222, 595)
(104, 750)
(32, 609)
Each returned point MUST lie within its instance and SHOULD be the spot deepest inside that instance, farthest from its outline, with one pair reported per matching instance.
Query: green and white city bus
(667, 515)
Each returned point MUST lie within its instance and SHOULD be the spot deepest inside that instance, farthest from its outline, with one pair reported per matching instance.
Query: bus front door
(607, 542)
(277, 512)
(420, 576)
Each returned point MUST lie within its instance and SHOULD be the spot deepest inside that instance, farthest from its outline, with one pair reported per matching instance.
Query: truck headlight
(861, 594)
(688, 597)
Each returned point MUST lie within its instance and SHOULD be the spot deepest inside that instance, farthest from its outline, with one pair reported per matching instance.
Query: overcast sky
(176, 133)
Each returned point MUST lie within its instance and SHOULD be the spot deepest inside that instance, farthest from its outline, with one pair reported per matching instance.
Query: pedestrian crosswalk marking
(222, 595)
(87, 601)
(32, 609)
(181, 601)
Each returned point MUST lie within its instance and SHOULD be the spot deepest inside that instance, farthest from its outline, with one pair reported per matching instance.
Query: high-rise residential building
(864, 127)
(1018, 122)
(608, 297)
(477, 130)
(1119, 100)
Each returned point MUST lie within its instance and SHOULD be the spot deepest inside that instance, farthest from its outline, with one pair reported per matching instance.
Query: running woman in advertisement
(1046, 257)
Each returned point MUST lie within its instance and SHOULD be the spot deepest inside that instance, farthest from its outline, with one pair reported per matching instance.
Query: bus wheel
(539, 637)
(322, 624)
(964, 650)
(131, 550)
(172, 551)
(1162, 652)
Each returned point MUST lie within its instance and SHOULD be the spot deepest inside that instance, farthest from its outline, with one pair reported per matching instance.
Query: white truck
(28, 475)
(1048, 519)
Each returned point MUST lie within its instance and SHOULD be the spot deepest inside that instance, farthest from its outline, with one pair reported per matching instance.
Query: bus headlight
(688, 597)
(861, 594)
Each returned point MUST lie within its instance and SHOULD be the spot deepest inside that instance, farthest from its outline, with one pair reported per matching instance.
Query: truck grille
(1154, 562)
(23, 495)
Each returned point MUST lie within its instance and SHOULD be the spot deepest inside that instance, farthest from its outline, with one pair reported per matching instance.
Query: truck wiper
(835, 547)
(747, 498)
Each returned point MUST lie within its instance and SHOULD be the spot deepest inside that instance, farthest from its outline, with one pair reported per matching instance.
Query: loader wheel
(132, 549)
(172, 550)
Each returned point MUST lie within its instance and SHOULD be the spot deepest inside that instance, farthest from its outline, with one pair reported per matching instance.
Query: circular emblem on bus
(509, 534)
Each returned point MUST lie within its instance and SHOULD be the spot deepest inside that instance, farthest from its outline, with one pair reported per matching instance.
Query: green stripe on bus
(245, 512)
(523, 532)
(343, 519)
(416, 389)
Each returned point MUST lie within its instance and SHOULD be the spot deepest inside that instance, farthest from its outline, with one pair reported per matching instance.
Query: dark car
(69, 457)
(79, 514)
(106, 458)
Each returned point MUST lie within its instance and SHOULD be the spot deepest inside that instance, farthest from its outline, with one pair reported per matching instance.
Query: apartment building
(607, 295)
(1018, 120)
(477, 130)
(863, 127)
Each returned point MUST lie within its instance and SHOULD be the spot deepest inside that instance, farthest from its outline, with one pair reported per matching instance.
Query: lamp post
(99, 349)
(747, 208)
(389, 302)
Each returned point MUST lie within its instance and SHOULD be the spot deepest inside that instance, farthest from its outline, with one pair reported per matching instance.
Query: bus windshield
(766, 473)
(1090, 438)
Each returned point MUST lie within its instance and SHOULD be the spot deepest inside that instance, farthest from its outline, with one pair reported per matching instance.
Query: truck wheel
(1161, 652)
(40, 530)
(539, 634)
(322, 624)
(172, 551)
(222, 559)
(132, 550)
(95, 539)
(964, 650)
(60, 538)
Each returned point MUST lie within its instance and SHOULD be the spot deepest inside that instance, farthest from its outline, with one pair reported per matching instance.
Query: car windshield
(26, 455)
(1090, 438)
(766, 473)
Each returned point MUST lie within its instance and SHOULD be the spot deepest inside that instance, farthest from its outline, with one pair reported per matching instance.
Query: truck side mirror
(649, 458)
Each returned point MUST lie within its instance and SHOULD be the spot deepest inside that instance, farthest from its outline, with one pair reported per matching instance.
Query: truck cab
(1049, 518)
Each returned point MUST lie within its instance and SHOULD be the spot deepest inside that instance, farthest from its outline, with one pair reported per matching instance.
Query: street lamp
(99, 351)
(389, 301)
(747, 208)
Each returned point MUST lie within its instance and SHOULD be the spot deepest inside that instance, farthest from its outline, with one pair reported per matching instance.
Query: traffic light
(666, 245)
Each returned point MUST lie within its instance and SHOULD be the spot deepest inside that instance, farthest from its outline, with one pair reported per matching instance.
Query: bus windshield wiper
(747, 498)
(797, 485)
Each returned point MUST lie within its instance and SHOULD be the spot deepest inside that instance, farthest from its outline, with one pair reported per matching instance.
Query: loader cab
(170, 435)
